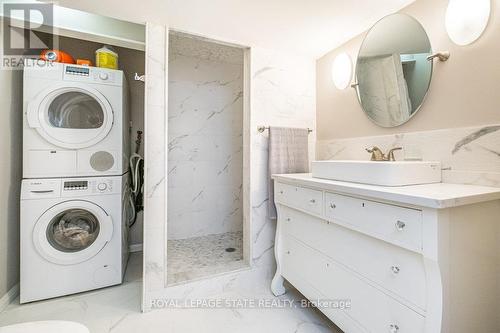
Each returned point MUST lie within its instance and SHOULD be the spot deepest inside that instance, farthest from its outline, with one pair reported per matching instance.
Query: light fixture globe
(466, 20)
(342, 71)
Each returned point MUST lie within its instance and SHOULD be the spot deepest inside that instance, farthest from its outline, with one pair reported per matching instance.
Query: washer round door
(72, 232)
(73, 117)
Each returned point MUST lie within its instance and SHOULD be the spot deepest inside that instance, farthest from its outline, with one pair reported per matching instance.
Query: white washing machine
(73, 235)
(75, 121)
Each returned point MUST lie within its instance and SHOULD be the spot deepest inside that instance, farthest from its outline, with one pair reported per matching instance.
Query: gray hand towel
(288, 153)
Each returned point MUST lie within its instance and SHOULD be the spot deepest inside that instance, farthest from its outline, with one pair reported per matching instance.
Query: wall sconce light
(342, 71)
(466, 20)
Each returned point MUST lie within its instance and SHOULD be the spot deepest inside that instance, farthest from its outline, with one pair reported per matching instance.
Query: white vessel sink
(399, 173)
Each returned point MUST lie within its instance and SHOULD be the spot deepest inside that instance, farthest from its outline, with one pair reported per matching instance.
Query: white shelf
(96, 28)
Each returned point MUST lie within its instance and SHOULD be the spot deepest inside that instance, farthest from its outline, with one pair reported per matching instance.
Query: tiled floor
(117, 309)
(199, 257)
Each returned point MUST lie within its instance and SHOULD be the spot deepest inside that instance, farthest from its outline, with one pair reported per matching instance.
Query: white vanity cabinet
(420, 258)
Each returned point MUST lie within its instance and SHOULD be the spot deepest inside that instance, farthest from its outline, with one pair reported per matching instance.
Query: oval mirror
(392, 70)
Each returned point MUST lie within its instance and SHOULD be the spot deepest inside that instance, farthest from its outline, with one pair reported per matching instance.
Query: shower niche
(205, 203)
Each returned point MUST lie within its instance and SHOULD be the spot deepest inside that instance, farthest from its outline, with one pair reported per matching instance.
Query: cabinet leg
(277, 286)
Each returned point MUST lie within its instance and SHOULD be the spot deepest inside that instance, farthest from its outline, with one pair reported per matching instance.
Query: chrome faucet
(378, 154)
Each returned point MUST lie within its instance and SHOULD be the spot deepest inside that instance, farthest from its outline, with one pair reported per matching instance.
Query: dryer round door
(72, 117)
(72, 232)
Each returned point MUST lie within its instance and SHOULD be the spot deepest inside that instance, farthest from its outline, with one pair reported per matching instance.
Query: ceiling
(307, 27)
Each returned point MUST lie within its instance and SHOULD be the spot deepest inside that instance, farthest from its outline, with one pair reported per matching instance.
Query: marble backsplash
(205, 138)
(469, 155)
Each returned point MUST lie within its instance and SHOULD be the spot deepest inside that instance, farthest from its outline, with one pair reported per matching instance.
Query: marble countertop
(440, 195)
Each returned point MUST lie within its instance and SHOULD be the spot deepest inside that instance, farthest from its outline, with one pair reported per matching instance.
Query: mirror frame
(356, 84)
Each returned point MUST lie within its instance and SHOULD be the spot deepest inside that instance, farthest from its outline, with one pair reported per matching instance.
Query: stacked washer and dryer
(74, 192)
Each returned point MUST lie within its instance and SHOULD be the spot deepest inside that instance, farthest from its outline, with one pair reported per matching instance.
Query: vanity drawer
(393, 268)
(394, 224)
(299, 197)
(370, 307)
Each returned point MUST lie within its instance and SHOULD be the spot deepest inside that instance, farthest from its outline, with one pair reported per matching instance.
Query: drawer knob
(288, 219)
(281, 192)
(287, 252)
(393, 328)
(332, 205)
(312, 201)
(395, 269)
(400, 225)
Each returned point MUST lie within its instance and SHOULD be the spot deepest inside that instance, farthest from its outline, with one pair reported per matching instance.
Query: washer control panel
(103, 186)
(91, 186)
(75, 185)
(72, 187)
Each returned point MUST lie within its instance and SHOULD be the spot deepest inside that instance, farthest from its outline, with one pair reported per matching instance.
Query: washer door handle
(109, 229)
(32, 115)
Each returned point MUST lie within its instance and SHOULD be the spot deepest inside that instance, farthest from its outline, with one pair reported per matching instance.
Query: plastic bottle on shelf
(106, 57)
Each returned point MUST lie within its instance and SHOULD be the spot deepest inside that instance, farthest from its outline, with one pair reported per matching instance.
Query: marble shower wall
(205, 138)
(282, 93)
(469, 155)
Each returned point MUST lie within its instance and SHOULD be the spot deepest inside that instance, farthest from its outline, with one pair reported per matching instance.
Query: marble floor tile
(117, 310)
(198, 257)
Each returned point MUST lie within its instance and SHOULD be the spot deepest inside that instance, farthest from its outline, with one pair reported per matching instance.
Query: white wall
(10, 175)
(205, 129)
(463, 91)
(458, 123)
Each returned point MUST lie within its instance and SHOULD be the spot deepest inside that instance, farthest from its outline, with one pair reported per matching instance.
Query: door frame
(156, 161)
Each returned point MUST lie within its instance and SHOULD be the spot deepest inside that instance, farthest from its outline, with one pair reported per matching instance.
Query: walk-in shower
(205, 158)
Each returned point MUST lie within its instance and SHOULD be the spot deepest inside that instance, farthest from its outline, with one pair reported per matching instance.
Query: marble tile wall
(205, 140)
(282, 93)
(469, 155)
(155, 147)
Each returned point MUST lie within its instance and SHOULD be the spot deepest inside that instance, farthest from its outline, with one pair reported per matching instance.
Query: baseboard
(9, 297)
(134, 248)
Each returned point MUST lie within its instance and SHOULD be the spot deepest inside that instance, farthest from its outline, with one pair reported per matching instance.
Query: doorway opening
(206, 187)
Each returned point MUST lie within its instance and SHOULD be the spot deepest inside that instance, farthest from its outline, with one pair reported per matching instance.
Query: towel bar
(261, 129)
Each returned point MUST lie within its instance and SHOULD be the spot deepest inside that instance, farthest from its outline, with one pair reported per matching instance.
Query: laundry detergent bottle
(106, 57)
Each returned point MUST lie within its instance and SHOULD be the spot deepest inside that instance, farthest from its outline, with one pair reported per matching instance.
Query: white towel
(288, 153)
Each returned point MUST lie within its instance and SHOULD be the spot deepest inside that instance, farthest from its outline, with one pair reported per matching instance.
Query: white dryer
(76, 121)
(73, 235)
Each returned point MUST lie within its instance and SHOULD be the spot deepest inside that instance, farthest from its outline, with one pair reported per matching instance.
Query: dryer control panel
(88, 74)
